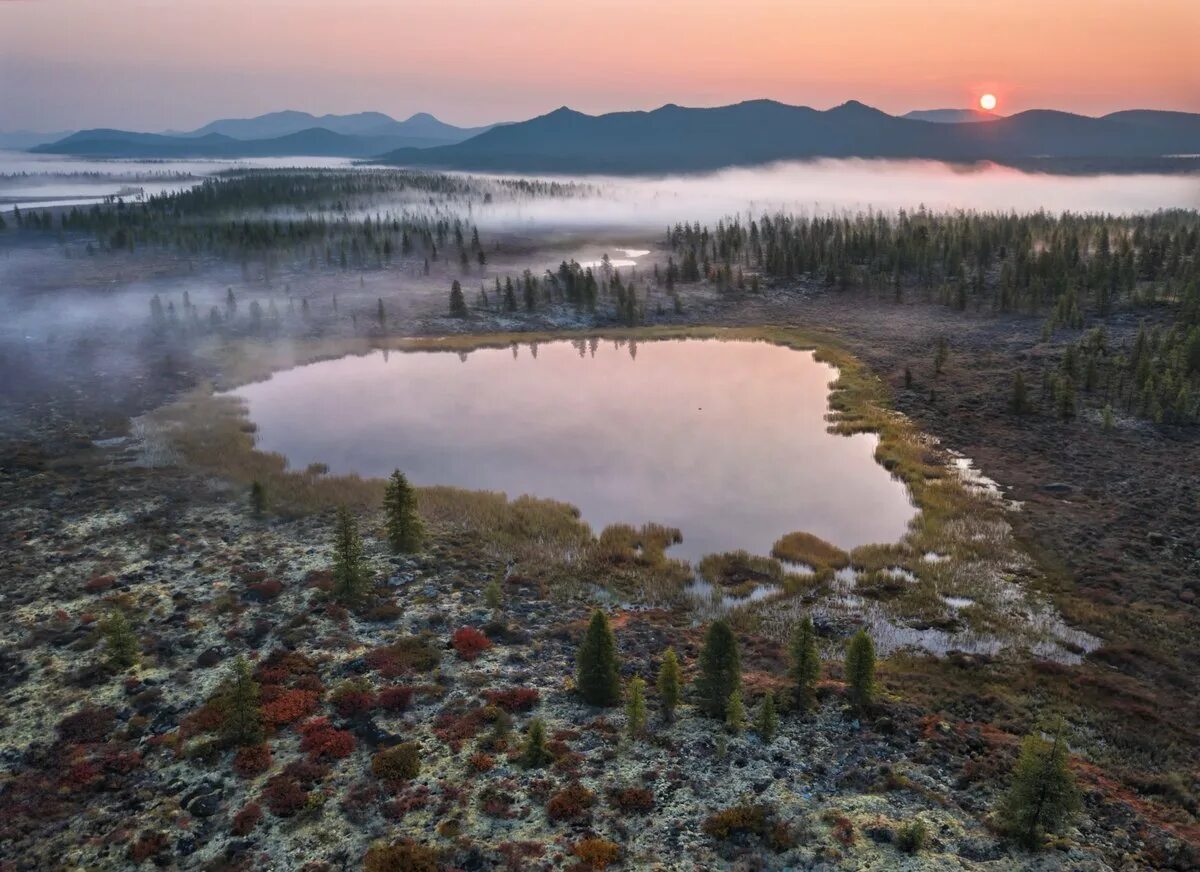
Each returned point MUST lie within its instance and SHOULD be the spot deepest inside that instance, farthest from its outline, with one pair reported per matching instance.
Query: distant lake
(725, 440)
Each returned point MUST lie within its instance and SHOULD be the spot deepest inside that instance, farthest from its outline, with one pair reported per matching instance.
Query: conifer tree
(404, 528)
(735, 712)
(258, 499)
(493, 596)
(1020, 402)
(860, 669)
(120, 642)
(720, 669)
(242, 724)
(669, 684)
(458, 303)
(1043, 795)
(350, 577)
(768, 719)
(596, 662)
(805, 666)
(535, 754)
(635, 706)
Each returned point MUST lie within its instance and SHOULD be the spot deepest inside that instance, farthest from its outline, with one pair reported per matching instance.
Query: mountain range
(673, 138)
(287, 133)
(678, 139)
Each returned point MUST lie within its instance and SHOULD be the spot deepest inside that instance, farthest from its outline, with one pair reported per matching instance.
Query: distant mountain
(421, 128)
(950, 116)
(20, 140)
(312, 142)
(676, 139)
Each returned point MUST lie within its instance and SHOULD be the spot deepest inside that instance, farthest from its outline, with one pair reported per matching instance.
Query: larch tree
(1043, 795)
(350, 575)
(669, 684)
(242, 722)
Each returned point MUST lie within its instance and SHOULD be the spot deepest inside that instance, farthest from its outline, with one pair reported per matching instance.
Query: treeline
(312, 217)
(1071, 269)
(571, 284)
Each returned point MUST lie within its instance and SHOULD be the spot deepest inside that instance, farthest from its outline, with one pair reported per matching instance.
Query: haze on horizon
(159, 64)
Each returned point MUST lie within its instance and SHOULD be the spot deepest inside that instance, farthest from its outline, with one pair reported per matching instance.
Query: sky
(176, 64)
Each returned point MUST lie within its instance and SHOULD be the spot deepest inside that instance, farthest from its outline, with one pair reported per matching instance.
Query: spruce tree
(860, 669)
(242, 724)
(258, 499)
(596, 662)
(1043, 795)
(350, 578)
(720, 669)
(635, 706)
(1020, 402)
(120, 642)
(669, 684)
(458, 303)
(768, 719)
(535, 754)
(404, 528)
(805, 666)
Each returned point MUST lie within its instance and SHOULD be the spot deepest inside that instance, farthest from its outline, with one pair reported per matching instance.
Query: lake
(726, 440)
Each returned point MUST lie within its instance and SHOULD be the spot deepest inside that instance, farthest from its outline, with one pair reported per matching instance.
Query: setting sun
(987, 102)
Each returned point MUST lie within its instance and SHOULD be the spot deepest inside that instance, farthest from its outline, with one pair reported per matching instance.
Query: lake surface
(725, 440)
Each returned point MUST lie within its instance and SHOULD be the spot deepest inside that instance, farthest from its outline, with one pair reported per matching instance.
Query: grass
(801, 547)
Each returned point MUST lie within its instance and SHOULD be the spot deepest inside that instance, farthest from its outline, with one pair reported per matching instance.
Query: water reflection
(725, 440)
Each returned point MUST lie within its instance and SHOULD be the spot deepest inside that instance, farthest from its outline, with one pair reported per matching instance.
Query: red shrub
(513, 699)
(284, 796)
(413, 799)
(396, 698)
(353, 698)
(455, 727)
(482, 762)
(635, 799)
(268, 590)
(470, 643)
(89, 724)
(99, 583)
(148, 844)
(252, 761)
(516, 854)
(320, 739)
(246, 819)
(570, 803)
(289, 706)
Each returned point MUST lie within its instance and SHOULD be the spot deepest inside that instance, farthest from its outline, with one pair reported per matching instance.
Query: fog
(837, 187)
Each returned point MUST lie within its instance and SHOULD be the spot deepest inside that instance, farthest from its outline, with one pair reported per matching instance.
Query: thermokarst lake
(725, 440)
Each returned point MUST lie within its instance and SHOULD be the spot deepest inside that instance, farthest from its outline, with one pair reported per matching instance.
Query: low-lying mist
(837, 187)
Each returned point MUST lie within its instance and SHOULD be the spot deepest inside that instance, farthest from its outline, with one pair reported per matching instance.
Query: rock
(205, 805)
(209, 657)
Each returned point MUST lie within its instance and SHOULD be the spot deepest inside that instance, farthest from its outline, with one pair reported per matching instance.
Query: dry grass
(803, 547)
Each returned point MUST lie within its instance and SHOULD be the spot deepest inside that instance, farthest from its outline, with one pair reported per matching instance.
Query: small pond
(725, 440)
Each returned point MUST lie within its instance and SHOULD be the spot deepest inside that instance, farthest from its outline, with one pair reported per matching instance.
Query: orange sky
(177, 63)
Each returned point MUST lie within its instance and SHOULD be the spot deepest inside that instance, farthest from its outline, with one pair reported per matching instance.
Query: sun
(987, 102)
